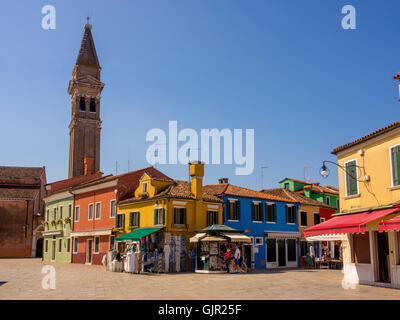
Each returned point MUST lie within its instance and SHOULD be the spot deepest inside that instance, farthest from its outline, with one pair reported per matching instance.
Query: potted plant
(143, 195)
(53, 222)
(67, 220)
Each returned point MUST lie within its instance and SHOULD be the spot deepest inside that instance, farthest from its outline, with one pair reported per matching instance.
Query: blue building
(271, 222)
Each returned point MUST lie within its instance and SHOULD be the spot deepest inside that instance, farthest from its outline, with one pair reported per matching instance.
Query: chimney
(196, 171)
(88, 165)
(223, 180)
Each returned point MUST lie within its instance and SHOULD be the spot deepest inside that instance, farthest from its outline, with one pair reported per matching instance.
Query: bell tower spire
(85, 88)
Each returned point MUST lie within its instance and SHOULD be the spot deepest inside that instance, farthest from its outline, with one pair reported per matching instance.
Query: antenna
(262, 176)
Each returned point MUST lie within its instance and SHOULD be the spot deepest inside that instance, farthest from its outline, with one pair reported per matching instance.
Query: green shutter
(130, 219)
(123, 220)
(351, 176)
(155, 216)
(396, 165)
(138, 219)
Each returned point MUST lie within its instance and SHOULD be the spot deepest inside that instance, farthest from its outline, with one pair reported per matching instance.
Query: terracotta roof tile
(19, 176)
(371, 135)
(320, 189)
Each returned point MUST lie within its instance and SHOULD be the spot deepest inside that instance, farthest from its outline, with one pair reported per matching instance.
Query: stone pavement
(21, 279)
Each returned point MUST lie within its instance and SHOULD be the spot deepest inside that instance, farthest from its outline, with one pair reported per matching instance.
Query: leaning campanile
(84, 129)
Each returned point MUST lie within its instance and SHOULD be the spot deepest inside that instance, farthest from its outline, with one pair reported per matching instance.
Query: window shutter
(287, 208)
(238, 209)
(155, 216)
(184, 216)
(351, 176)
(123, 220)
(396, 165)
(162, 216)
(138, 219)
(274, 211)
(261, 211)
(252, 211)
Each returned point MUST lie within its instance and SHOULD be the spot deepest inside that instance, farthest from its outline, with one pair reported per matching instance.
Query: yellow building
(369, 184)
(171, 208)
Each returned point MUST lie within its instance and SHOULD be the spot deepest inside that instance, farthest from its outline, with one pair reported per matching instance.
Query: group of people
(234, 262)
(131, 261)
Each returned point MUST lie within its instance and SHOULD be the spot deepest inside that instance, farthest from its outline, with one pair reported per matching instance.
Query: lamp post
(324, 171)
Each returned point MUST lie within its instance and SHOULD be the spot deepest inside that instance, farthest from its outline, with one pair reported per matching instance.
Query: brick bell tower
(84, 129)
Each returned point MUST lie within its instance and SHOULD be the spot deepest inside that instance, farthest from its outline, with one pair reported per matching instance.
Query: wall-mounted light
(324, 171)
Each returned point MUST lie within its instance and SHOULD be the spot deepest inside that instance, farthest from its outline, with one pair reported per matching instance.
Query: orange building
(95, 206)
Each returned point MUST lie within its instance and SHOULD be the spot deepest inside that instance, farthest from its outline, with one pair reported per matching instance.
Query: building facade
(21, 211)
(270, 220)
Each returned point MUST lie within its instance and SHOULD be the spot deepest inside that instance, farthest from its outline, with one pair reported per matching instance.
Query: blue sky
(283, 68)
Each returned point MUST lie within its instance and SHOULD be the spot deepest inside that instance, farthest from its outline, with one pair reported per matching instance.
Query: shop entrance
(247, 256)
(89, 250)
(281, 253)
(383, 257)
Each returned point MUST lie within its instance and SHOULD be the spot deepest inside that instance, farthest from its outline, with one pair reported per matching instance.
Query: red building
(95, 211)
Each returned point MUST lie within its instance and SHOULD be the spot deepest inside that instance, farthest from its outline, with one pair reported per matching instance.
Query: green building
(328, 194)
(57, 226)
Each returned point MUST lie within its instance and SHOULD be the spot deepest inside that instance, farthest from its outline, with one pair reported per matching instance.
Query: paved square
(21, 279)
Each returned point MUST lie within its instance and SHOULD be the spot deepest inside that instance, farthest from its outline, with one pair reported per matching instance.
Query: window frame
(94, 245)
(145, 184)
(75, 245)
(68, 245)
(46, 246)
(95, 210)
(109, 242)
(319, 217)
(180, 208)
(391, 166)
(111, 206)
(60, 245)
(70, 210)
(301, 220)
(234, 202)
(260, 208)
(287, 214)
(260, 243)
(79, 213)
(213, 213)
(345, 179)
(92, 205)
(273, 205)
(134, 214)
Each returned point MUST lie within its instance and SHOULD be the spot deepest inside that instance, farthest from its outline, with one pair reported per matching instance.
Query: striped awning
(282, 235)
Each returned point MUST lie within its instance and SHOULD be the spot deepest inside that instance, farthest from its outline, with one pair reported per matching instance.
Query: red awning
(390, 225)
(349, 223)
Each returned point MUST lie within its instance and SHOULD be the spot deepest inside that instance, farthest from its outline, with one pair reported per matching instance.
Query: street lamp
(324, 171)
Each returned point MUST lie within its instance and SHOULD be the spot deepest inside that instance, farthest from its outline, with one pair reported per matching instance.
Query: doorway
(39, 248)
(281, 253)
(248, 256)
(383, 257)
(89, 247)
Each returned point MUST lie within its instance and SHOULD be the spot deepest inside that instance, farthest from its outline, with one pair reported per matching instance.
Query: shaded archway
(39, 248)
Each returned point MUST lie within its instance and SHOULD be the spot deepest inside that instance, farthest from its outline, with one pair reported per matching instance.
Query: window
(96, 244)
(303, 219)
(112, 241)
(113, 209)
(144, 187)
(271, 212)
(134, 219)
(70, 210)
(328, 201)
(291, 248)
(98, 210)
(271, 250)
(120, 220)
(351, 176)
(90, 212)
(233, 210)
(46, 246)
(257, 212)
(159, 216)
(317, 219)
(179, 215)
(303, 248)
(287, 185)
(259, 241)
(47, 215)
(395, 160)
(92, 106)
(76, 241)
(322, 220)
(337, 204)
(69, 245)
(212, 217)
(59, 245)
(82, 104)
(77, 211)
(55, 214)
(61, 212)
(290, 214)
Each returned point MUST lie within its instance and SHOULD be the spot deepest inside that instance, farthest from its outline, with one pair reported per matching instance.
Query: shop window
(290, 214)
(82, 104)
(351, 176)
(271, 250)
(180, 216)
(113, 209)
(112, 241)
(271, 212)
(96, 244)
(291, 248)
(159, 216)
(120, 220)
(69, 245)
(303, 248)
(259, 241)
(76, 241)
(98, 211)
(77, 212)
(303, 218)
(233, 210)
(317, 219)
(257, 212)
(92, 106)
(59, 245)
(134, 219)
(361, 250)
(90, 211)
(212, 217)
